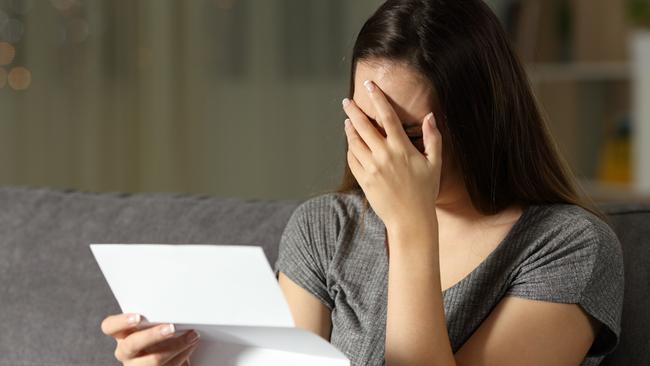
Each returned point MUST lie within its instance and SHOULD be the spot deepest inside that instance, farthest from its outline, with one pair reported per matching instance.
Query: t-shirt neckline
(514, 230)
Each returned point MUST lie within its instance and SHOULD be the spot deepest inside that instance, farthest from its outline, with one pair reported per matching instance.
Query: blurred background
(241, 98)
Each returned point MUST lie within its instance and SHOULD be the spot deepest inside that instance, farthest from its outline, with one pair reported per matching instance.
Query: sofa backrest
(53, 296)
(631, 222)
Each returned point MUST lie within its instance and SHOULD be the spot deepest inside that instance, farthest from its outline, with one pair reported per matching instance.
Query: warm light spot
(20, 78)
(3, 77)
(7, 53)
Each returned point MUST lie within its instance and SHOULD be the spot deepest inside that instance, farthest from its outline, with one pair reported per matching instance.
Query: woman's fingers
(356, 145)
(118, 326)
(186, 339)
(170, 352)
(355, 167)
(386, 113)
(157, 342)
(135, 343)
(364, 127)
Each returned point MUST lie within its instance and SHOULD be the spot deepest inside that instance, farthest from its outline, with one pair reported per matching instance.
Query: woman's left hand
(400, 183)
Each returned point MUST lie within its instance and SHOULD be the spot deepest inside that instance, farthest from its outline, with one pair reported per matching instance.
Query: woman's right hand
(153, 346)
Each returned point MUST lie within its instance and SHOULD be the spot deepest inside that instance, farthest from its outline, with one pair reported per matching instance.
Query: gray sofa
(53, 297)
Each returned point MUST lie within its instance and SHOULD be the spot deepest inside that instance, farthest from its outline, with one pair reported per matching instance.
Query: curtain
(225, 97)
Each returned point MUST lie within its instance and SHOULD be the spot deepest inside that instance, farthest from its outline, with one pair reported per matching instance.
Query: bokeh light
(7, 53)
(3, 77)
(20, 78)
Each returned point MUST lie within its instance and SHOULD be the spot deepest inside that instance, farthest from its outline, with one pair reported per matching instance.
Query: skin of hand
(152, 346)
(400, 183)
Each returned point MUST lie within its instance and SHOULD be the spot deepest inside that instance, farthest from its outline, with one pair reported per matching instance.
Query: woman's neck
(456, 213)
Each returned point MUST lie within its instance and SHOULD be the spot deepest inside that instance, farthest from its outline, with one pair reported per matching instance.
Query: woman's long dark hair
(485, 109)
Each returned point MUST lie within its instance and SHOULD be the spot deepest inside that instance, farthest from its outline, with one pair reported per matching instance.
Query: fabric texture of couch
(53, 296)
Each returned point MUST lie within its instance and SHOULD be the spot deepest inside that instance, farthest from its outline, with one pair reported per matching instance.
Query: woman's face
(410, 95)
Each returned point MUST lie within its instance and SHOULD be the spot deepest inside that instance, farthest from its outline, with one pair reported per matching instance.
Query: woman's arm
(416, 331)
(307, 311)
(527, 332)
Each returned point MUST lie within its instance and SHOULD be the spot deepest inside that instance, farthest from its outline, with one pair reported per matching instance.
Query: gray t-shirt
(554, 252)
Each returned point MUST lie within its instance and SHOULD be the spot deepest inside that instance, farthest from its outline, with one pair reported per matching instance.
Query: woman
(457, 237)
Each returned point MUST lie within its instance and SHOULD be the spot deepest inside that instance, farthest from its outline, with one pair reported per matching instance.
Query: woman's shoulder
(564, 226)
(318, 221)
(310, 240)
(563, 239)
(330, 205)
(570, 255)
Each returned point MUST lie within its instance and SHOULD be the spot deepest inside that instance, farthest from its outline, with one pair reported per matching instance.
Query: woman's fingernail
(345, 102)
(369, 85)
(431, 120)
(169, 329)
(133, 319)
(192, 336)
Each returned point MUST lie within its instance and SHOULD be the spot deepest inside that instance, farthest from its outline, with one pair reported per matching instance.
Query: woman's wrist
(413, 233)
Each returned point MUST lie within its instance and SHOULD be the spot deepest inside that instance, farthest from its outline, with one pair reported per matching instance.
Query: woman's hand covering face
(400, 181)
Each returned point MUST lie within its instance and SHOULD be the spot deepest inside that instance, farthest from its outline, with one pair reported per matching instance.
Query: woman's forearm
(416, 331)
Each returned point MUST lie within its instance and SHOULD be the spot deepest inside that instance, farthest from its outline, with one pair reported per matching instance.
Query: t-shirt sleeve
(304, 248)
(581, 264)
